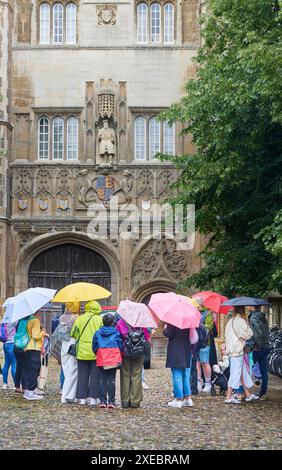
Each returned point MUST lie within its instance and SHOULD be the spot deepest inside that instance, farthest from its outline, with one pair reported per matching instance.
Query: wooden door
(65, 264)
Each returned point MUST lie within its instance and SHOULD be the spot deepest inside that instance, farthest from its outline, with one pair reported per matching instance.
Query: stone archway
(103, 251)
(61, 265)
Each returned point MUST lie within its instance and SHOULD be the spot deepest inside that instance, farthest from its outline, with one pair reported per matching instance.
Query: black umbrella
(245, 301)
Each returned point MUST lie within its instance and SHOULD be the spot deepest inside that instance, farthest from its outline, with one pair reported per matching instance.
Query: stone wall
(6, 30)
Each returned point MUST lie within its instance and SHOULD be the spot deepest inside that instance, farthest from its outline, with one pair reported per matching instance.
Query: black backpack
(135, 342)
(203, 333)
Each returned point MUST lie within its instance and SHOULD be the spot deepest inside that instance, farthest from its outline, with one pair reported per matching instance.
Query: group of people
(94, 346)
(25, 362)
(243, 357)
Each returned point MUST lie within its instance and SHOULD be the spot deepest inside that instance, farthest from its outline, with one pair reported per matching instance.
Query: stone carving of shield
(63, 204)
(22, 201)
(107, 15)
(43, 204)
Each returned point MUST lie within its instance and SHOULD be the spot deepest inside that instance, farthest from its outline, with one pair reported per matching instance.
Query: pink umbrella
(213, 301)
(175, 310)
(136, 315)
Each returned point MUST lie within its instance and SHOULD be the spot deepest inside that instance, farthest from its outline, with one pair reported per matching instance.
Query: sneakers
(175, 404)
(31, 395)
(5, 387)
(103, 405)
(252, 397)
(111, 406)
(39, 392)
(83, 401)
(187, 402)
(207, 387)
(145, 386)
(199, 386)
(232, 400)
(94, 402)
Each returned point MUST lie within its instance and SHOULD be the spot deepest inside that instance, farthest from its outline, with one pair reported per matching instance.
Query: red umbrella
(213, 301)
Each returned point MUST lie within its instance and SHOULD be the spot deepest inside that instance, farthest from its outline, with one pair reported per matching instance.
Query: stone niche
(190, 25)
(23, 25)
(106, 122)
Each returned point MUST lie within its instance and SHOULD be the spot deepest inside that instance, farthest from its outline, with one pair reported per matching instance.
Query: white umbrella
(8, 301)
(28, 302)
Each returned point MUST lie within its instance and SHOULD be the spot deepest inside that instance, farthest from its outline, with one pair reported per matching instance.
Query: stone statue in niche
(106, 143)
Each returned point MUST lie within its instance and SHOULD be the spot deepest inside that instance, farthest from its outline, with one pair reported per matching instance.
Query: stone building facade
(81, 84)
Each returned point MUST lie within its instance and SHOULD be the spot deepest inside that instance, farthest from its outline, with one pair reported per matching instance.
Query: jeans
(181, 382)
(10, 360)
(33, 365)
(88, 378)
(21, 377)
(261, 358)
(194, 375)
(256, 371)
(107, 385)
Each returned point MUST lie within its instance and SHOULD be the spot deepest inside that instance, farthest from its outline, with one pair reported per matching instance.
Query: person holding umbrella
(133, 324)
(68, 362)
(83, 330)
(29, 336)
(33, 356)
(237, 332)
(180, 316)
(178, 359)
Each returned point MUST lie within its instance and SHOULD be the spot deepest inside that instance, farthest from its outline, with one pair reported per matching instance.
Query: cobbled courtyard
(210, 424)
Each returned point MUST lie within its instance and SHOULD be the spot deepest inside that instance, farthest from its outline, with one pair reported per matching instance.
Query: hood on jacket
(259, 315)
(93, 307)
(108, 330)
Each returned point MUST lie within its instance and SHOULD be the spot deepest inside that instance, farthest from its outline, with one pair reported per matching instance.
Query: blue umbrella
(245, 301)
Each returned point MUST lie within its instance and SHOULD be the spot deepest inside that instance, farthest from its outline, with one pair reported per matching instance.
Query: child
(107, 345)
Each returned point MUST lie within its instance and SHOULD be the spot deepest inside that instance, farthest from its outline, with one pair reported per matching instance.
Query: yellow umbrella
(193, 302)
(81, 292)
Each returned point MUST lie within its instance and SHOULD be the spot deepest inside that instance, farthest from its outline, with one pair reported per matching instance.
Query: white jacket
(237, 332)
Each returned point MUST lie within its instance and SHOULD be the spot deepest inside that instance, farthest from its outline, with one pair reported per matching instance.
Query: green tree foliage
(233, 109)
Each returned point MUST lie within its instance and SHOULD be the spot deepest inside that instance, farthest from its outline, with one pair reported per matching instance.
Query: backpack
(203, 333)
(135, 342)
(22, 337)
(4, 332)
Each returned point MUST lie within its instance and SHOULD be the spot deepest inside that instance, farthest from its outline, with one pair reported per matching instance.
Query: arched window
(155, 22)
(140, 138)
(44, 24)
(168, 139)
(58, 138)
(71, 23)
(154, 137)
(58, 23)
(142, 23)
(168, 23)
(72, 139)
(43, 138)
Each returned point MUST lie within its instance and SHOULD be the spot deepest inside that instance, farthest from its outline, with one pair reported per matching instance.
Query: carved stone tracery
(160, 259)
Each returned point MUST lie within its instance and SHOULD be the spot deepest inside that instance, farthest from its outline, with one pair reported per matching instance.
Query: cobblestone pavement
(210, 424)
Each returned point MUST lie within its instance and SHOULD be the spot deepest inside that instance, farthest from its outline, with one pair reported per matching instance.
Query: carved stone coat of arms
(106, 14)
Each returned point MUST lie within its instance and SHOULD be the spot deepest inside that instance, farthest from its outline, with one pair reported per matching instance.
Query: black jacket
(260, 328)
(178, 348)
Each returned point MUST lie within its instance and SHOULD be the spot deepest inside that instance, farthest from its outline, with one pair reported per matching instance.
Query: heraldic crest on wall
(93, 188)
(107, 14)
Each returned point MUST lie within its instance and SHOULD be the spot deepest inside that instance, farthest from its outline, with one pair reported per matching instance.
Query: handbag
(42, 378)
(72, 348)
